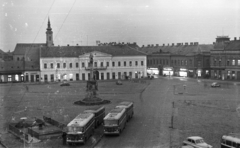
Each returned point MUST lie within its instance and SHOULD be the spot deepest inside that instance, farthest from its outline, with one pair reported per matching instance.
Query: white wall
(100, 57)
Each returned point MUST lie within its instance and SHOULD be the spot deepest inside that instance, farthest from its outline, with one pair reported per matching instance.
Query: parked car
(119, 82)
(196, 142)
(215, 84)
(65, 84)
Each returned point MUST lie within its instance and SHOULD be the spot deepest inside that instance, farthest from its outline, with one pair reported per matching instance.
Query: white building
(110, 62)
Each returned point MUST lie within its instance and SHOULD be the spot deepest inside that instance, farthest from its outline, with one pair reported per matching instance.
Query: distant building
(225, 59)
(189, 60)
(71, 63)
(23, 63)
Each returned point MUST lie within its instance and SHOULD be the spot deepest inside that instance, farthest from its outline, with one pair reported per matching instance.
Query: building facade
(189, 60)
(110, 62)
(225, 59)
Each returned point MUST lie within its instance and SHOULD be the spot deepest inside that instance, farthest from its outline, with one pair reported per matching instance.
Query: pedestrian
(64, 138)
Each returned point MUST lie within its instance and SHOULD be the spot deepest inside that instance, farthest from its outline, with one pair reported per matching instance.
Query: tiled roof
(179, 49)
(31, 51)
(6, 56)
(75, 51)
(233, 45)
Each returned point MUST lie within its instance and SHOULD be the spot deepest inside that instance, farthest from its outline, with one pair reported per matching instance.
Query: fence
(33, 133)
(54, 122)
(18, 132)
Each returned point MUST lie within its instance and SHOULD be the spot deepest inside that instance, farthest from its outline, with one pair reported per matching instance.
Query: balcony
(97, 68)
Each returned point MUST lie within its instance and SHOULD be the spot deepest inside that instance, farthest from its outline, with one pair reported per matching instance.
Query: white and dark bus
(129, 108)
(80, 128)
(99, 114)
(230, 141)
(115, 121)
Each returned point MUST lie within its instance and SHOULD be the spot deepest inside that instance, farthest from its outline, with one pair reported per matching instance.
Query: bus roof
(232, 137)
(124, 104)
(115, 114)
(81, 119)
(94, 109)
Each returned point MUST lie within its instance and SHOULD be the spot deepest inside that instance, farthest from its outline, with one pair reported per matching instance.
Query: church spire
(49, 25)
(49, 34)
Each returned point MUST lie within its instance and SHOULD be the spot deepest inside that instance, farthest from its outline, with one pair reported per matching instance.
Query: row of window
(119, 63)
(165, 62)
(229, 62)
(102, 76)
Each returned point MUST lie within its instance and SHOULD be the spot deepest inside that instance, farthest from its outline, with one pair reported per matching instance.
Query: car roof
(195, 137)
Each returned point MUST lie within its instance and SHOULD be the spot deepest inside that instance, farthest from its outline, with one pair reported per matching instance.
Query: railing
(33, 133)
(18, 132)
(54, 122)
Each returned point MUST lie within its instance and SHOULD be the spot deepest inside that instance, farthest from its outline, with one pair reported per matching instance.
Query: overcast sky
(143, 21)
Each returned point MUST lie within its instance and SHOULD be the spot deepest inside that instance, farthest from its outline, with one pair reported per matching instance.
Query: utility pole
(172, 118)
(171, 127)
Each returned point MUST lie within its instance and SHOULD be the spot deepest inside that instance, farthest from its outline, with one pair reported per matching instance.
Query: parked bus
(99, 114)
(80, 128)
(129, 108)
(115, 121)
(230, 141)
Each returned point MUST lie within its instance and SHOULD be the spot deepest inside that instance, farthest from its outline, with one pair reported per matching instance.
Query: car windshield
(199, 141)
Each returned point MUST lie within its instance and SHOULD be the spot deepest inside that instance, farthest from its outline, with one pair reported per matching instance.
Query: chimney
(213, 43)
(148, 45)
(168, 44)
(134, 43)
(152, 45)
(163, 45)
(191, 43)
(186, 44)
(235, 38)
(77, 44)
(195, 43)
(67, 44)
(123, 43)
(157, 45)
(172, 44)
(142, 46)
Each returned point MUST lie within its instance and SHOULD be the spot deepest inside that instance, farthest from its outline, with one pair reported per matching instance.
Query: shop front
(152, 71)
(167, 71)
(190, 73)
(183, 72)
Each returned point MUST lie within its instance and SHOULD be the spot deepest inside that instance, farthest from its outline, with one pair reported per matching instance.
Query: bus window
(229, 143)
(110, 122)
(234, 144)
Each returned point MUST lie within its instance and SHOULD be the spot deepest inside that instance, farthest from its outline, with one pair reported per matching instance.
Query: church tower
(49, 35)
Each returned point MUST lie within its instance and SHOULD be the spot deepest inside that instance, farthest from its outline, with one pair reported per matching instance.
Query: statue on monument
(91, 97)
(92, 85)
